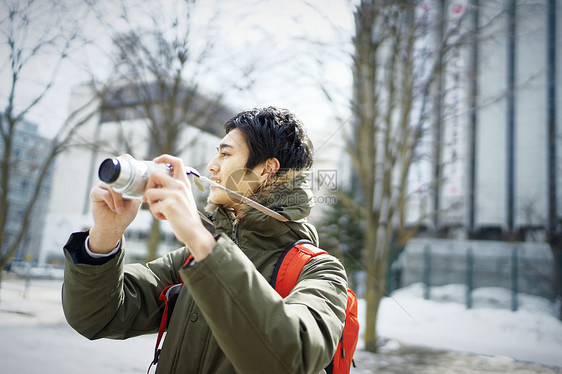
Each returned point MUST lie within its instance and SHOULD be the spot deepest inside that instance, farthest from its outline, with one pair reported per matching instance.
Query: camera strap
(240, 198)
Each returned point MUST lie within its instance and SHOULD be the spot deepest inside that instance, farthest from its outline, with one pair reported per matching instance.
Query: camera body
(128, 176)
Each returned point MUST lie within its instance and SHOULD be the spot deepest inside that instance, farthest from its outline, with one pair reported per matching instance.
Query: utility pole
(553, 233)
(475, 4)
(437, 114)
(511, 56)
(551, 95)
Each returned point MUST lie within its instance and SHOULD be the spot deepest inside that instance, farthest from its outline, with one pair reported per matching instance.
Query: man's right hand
(112, 215)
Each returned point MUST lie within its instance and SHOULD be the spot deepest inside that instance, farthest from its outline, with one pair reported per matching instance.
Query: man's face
(228, 169)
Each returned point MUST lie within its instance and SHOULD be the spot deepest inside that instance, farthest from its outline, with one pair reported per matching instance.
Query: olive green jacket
(227, 318)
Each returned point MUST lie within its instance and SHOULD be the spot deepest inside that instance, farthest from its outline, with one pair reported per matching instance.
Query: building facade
(499, 151)
(117, 128)
(29, 150)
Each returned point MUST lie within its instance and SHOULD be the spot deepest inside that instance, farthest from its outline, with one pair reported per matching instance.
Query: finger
(161, 186)
(155, 194)
(102, 194)
(96, 193)
(116, 200)
(178, 168)
(159, 180)
(156, 211)
(113, 200)
(162, 183)
(165, 158)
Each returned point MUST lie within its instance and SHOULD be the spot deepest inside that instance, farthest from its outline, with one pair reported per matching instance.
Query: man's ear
(271, 167)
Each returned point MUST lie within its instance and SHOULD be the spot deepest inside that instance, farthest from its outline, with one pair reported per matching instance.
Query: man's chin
(220, 198)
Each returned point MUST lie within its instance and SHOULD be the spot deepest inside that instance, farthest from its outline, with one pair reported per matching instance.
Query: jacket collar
(289, 194)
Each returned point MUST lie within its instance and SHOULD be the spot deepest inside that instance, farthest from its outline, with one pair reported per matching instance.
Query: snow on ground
(34, 337)
(532, 333)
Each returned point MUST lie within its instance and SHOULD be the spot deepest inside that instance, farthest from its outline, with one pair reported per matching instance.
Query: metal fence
(520, 267)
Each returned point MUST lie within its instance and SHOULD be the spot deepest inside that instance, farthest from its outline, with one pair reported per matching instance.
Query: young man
(227, 317)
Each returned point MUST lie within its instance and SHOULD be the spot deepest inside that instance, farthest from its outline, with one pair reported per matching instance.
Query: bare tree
(394, 76)
(32, 34)
(157, 68)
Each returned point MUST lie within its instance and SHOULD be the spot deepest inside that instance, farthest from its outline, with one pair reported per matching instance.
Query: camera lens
(109, 170)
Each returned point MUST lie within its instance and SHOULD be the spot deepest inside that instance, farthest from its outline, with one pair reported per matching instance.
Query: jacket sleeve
(111, 299)
(258, 330)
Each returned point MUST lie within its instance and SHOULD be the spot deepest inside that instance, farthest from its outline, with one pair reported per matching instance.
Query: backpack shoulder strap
(168, 295)
(290, 265)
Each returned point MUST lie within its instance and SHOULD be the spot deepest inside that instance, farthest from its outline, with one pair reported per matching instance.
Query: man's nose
(213, 166)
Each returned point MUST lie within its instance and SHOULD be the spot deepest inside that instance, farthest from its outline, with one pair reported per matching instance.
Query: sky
(293, 47)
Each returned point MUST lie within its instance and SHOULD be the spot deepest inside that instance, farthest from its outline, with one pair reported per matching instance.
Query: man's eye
(222, 153)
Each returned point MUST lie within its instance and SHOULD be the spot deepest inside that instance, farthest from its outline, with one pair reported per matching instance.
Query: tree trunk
(371, 307)
(374, 259)
(153, 240)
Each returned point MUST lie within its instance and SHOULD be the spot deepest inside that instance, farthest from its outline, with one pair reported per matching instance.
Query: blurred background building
(29, 149)
(119, 127)
(495, 132)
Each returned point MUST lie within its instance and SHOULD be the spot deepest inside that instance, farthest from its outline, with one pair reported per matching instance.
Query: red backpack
(285, 276)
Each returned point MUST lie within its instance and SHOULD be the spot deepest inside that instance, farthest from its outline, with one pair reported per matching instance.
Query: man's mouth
(216, 180)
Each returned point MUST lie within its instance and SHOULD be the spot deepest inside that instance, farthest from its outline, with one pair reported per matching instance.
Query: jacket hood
(288, 194)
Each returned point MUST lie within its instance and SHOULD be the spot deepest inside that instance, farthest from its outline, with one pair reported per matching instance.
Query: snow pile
(532, 333)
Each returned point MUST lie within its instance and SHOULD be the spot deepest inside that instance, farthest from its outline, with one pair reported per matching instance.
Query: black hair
(273, 132)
